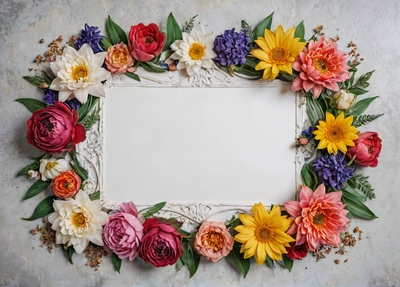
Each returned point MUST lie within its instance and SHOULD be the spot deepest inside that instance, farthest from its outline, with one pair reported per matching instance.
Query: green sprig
(365, 119)
(189, 25)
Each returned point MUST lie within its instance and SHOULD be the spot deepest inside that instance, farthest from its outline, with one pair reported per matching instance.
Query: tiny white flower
(194, 51)
(80, 73)
(33, 174)
(78, 221)
(51, 167)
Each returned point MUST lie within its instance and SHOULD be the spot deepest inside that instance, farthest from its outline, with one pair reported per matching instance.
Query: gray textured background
(373, 25)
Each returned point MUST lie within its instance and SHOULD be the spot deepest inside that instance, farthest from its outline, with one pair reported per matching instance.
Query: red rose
(161, 243)
(146, 42)
(296, 252)
(55, 129)
(367, 148)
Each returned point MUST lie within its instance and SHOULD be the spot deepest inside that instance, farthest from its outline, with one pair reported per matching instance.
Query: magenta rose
(161, 243)
(146, 42)
(123, 232)
(55, 129)
(296, 252)
(366, 150)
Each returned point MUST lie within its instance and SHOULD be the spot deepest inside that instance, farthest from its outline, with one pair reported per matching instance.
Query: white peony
(194, 51)
(51, 167)
(344, 100)
(78, 221)
(80, 73)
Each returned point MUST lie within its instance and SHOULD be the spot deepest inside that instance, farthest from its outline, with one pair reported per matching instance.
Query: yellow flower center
(334, 134)
(264, 233)
(79, 72)
(196, 51)
(119, 57)
(278, 54)
(79, 220)
(51, 165)
(320, 65)
(214, 240)
(319, 220)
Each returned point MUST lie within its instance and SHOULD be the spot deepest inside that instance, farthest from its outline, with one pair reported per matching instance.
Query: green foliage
(32, 105)
(78, 168)
(95, 195)
(287, 263)
(36, 80)
(117, 262)
(171, 222)
(152, 67)
(308, 176)
(300, 32)
(91, 119)
(315, 111)
(36, 188)
(33, 166)
(69, 252)
(157, 207)
(105, 43)
(132, 76)
(360, 106)
(365, 119)
(48, 79)
(173, 31)
(269, 262)
(44, 208)
(190, 255)
(245, 27)
(259, 30)
(187, 28)
(115, 32)
(362, 82)
(357, 208)
(85, 109)
(237, 260)
(361, 183)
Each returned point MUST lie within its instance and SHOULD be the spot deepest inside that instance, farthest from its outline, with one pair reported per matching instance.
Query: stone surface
(372, 25)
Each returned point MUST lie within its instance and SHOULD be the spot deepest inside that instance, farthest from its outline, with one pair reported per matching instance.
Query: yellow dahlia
(278, 52)
(336, 133)
(264, 234)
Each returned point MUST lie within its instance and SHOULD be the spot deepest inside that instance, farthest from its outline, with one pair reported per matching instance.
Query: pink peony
(118, 59)
(321, 65)
(55, 129)
(213, 240)
(123, 232)
(161, 243)
(367, 149)
(319, 218)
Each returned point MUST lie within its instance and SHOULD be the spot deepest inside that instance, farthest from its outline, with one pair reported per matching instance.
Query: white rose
(51, 167)
(344, 100)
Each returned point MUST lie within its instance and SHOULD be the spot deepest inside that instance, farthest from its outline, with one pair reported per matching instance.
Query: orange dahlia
(319, 217)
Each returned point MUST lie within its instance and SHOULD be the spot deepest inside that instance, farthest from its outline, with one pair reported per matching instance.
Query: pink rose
(118, 59)
(367, 149)
(146, 42)
(296, 252)
(55, 129)
(123, 232)
(161, 243)
(213, 240)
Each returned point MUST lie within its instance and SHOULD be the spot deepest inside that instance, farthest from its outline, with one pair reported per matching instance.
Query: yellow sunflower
(336, 133)
(278, 52)
(263, 234)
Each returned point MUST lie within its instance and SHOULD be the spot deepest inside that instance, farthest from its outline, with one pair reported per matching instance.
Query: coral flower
(336, 133)
(321, 65)
(264, 233)
(278, 52)
(319, 217)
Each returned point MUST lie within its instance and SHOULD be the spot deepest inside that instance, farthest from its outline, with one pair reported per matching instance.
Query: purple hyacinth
(50, 97)
(231, 48)
(74, 104)
(90, 35)
(332, 170)
(308, 133)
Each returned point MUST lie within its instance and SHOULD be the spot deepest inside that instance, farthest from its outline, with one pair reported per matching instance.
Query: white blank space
(210, 145)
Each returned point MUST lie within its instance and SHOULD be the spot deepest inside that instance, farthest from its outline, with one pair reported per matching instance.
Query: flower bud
(343, 100)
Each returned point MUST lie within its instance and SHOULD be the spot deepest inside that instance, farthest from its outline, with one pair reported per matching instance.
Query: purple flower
(90, 35)
(231, 48)
(74, 104)
(308, 133)
(50, 97)
(332, 170)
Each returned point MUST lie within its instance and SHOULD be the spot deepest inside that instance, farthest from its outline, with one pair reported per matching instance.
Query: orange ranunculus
(66, 184)
(119, 60)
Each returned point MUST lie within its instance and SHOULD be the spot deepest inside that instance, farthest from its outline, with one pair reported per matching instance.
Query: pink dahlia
(321, 65)
(319, 217)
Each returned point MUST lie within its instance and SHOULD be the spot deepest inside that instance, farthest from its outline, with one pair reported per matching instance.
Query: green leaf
(69, 252)
(358, 208)
(173, 31)
(248, 71)
(351, 193)
(260, 28)
(95, 195)
(132, 76)
(269, 262)
(105, 43)
(152, 68)
(85, 109)
(157, 207)
(361, 106)
(78, 168)
(187, 28)
(181, 262)
(357, 91)
(315, 112)
(31, 104)
(365, 119)
(120, 32)
(114, 33)
(46, 77)
(233, 222)
(193, 258)
(363, 80)
(184, 233)
(116, 262)
(33, 166)
(286, 77)
(308, 176)
(300, 32)
(36, 188)
(288, 263)
(237, 259)
(44, 208)
(37, 81)
(91, 118)
(360, 182)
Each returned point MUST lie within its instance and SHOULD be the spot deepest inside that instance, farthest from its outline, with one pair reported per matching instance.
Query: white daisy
(51, 167)
(79, 72)
(78, 221)
(194, 51)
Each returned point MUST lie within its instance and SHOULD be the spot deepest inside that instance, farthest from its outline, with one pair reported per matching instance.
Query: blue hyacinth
(332, 170)
(231, 48)
(51, 96)
(90, 35)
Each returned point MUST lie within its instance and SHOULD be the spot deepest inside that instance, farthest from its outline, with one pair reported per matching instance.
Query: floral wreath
(331, 194)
